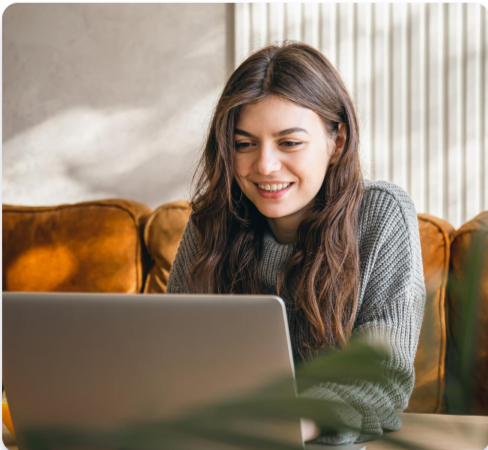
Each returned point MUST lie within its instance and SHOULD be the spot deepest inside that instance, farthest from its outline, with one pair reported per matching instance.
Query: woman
(281, 208)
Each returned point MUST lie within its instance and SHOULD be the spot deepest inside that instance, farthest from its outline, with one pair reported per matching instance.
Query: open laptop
(99, 361)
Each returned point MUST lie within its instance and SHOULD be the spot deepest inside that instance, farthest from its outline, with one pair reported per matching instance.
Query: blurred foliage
(465, 330)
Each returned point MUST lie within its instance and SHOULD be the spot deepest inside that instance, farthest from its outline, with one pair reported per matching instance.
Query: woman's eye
(240, 146)
(247, 145)
(291, 144)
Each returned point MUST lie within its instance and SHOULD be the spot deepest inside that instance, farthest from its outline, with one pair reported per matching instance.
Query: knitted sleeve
(178, 279)
(392, 291)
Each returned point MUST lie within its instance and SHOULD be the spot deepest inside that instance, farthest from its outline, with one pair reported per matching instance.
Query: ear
(340, 142)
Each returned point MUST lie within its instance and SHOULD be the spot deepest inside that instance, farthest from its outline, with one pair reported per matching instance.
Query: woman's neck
(282, 235)
(285, 228)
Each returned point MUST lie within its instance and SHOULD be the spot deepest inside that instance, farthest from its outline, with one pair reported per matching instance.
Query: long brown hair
(324, 268)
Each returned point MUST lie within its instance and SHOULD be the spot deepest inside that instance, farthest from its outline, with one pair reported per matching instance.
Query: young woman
(281, 208)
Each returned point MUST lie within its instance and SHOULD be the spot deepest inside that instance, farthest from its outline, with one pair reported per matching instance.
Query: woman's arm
(393, 299)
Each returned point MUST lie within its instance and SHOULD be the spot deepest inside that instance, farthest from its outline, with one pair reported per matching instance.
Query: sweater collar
(271, 242)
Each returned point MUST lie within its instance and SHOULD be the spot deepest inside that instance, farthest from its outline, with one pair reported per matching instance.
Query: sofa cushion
(428, 392)
(162, 236)
(85, 247)
(472, 236)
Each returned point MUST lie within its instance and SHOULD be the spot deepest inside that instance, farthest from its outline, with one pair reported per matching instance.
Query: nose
(267, 160)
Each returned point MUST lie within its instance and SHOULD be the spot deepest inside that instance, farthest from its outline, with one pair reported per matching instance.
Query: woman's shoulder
(383, 196)
(386, 203)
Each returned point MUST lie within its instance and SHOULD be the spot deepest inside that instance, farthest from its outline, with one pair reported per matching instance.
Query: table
(433, 431)
(439, 432)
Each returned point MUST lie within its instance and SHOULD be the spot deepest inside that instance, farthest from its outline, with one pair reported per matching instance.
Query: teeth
(273, 187)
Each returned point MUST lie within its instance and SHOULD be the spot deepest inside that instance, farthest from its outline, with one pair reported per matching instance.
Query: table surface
(430, 431)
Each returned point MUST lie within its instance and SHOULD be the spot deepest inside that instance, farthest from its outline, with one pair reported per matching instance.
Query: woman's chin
(273, 213)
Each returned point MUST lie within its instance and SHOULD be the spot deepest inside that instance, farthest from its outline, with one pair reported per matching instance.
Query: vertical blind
(418, 75)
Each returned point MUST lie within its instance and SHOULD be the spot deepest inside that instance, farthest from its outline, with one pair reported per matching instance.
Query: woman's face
(278, 142)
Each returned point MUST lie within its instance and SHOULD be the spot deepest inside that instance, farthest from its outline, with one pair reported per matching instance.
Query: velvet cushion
(473, 235)
(162, 236)
(85, 247)
(428, 392)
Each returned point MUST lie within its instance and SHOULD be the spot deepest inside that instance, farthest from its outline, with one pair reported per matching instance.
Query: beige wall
(109, 100)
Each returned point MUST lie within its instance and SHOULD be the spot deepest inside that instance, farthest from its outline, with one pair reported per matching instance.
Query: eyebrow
(278, 134)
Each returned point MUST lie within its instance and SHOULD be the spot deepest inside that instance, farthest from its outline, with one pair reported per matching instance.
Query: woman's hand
(310, 431)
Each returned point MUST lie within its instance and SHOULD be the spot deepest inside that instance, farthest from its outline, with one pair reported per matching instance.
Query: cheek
(310, 170)
(314, 166)
(235, 167)
(239, 174)
(240, 165)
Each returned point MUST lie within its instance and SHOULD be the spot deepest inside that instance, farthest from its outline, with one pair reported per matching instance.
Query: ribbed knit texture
(391, 302)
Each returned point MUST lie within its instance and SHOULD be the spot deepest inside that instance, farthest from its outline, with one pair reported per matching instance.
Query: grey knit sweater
(391, 299)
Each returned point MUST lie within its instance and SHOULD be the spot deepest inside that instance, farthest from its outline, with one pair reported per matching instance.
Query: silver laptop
(101, 361)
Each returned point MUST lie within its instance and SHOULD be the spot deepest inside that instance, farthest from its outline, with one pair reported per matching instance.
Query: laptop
(89, 361)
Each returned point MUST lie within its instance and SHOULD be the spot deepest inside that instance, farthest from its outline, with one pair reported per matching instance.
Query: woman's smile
(273, 191)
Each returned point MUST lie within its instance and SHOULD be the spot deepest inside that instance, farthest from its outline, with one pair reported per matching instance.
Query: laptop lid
(98, 361)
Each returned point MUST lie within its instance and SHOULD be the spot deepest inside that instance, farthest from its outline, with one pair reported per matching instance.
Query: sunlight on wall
(108, 100)
(99, 154)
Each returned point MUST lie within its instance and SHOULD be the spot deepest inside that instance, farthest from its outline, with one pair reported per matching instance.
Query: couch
(123, 246)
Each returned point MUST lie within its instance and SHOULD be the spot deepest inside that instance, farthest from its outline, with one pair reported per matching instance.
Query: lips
(273, 195)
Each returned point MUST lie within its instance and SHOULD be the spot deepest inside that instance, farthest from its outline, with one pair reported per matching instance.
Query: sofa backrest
(162, 236)
(85, 247)
(428, 392)
(101, 246)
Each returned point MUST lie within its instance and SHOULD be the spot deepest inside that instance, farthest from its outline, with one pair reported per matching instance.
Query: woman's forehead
(276, 112)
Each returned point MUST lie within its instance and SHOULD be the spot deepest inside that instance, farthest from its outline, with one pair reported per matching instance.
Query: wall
(109, 100)
(113, 100)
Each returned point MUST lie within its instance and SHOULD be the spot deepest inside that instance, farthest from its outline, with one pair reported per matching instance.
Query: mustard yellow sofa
(120, 245)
